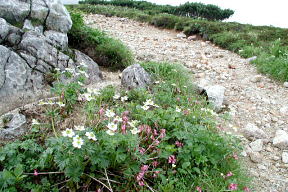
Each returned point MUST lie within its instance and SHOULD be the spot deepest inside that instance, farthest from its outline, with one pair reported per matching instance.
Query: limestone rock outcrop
(33, 43)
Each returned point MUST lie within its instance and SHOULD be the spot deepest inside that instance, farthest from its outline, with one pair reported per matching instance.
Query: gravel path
(253, 98)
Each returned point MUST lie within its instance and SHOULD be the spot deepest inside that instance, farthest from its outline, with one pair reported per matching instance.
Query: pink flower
(35, 172)
(155, 132)
(155, 163)
(101, 111)
(141, 150)
(162, 133)
(229, 174)
(179, 144)
(123, 128)
(140, 176)
(246, 189)
(172, 159)
(233, 187)
(144, 168)
(199, 189)
(125, 119)
(235, 156)
(186, 112)
(141, 183)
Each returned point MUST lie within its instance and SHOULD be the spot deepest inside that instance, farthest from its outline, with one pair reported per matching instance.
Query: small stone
(181, 35)
(192, 38)
(255, 157)
(251, 131)
(285, 157)
(285, 84)
(249, 60)
(257, 145)
(276, 158)
(281, 139)
(262, 167)
(256, 79)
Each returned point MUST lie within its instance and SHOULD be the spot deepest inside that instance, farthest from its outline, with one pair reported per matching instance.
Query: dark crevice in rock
(7, 60)
(30, 11)
(18, 53)
(45, 20)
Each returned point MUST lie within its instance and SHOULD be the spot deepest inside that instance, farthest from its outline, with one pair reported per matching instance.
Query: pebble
(285, 84)
(285, 157)
(257, 145)
(255, 157)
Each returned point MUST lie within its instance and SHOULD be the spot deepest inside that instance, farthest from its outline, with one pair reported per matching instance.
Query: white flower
(35, 122)
(116, 96)
(93, 91)
(149, 102)
(61, 104)
(87, 96)
(77, 142)
(57, 69)
(157, 82)
(79, 127)
(178, 109)
(112, 126)
(81, 84)
(123, 99)
(133, 123)
(91, 136)
(118, 119)
(68, 133)
(135, 131)
(173, 165)
(173, 84)
(109, 113)
(109, 132)
(145, 107)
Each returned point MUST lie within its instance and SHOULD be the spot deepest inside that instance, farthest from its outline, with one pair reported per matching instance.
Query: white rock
(216, 96)
(181, 35)
(285, 157)
(281, 139)
(285, 84)
(249, 60)
(256, 79)
(284, 110)
(252, 131)
(256, 157)
(257, 145)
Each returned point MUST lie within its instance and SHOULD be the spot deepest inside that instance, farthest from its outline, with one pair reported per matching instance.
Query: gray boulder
(251, 131)
(12, 126)
(135, 76)
(281, 139)
(33, 43)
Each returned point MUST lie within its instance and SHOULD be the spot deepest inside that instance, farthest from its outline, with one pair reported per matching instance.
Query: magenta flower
(35, 172)
(155, 132)
(125, 119)
(141, 150)
(123, 128)
(199, 189)
(101, 111)
(144, 168)
(155, 163)
(229, 174)
(233, 187)
(172, 159)
(179, 144)
(235, 156)
(141, 183)
(162, 133)
(246, 189)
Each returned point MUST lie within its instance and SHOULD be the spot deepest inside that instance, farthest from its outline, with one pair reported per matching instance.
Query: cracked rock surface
(33, 42)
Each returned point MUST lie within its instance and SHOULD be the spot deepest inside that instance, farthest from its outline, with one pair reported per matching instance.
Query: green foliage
(193, 10)
(165, 145)
(104, 50)
(164, 21)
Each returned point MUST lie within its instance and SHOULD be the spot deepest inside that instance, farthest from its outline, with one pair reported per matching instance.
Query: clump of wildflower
(68, 133)
(77, 142)
(91, 136)
(233, 187)
(112, 126)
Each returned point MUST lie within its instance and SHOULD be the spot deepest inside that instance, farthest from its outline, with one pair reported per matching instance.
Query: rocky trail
(258, 106)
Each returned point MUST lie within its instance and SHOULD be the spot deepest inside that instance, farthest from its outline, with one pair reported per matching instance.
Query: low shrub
(163, 138)
(104, 50)
(164, 21)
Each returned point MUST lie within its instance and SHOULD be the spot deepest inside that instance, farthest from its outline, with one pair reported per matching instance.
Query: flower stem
(53, 127)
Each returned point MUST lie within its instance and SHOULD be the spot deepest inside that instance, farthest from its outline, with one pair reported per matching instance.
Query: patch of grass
(105, 50)
(172, 144)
